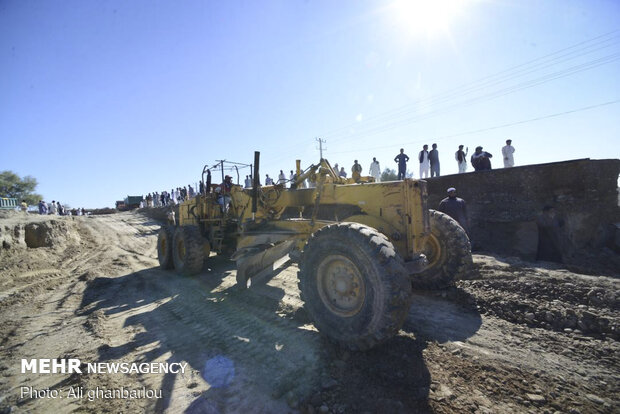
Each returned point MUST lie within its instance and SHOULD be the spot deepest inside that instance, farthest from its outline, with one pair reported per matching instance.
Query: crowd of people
(55, 208)
(428, 162)
(165, 198)
(430, 165)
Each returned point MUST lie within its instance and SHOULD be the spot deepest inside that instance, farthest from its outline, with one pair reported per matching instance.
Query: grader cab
(360, 246)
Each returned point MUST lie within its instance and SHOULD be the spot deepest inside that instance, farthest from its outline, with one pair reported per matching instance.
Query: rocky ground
(513, 337)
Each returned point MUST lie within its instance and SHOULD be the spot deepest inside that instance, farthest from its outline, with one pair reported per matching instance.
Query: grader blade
(254, 260)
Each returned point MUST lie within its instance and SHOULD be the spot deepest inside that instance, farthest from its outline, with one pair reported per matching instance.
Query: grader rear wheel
(354, 285)
(164, 247)
(188, 250)
(448, 252)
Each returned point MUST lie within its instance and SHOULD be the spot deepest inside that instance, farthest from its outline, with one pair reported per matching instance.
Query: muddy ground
(515, 337)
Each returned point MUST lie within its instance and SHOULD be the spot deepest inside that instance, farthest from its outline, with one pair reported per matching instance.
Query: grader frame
(360, 246)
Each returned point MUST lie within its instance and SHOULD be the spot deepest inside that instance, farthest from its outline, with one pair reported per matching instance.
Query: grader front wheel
(448, 252)
(354, 285)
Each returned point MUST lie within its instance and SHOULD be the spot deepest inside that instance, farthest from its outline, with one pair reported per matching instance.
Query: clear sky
(101, 99)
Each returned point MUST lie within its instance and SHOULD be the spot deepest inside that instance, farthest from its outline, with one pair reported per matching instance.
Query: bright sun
(427, 16)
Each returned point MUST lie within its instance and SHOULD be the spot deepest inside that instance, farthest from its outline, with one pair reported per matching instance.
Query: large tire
(164, 247)
(188, 250)
(354, 285)
(448, 252)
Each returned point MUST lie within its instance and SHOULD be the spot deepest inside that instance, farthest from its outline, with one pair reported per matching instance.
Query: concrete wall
(504, 203)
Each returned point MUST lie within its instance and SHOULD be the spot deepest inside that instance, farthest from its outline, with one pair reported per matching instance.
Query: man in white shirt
(375, 169)
(507, 152)
(461, 158)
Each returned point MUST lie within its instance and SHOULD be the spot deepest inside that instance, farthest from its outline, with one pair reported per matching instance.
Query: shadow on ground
(258, 355)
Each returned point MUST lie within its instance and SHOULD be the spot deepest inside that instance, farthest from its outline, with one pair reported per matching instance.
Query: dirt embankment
(517, 337)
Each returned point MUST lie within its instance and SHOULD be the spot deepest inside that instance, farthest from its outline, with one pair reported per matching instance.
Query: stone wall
(503, 204)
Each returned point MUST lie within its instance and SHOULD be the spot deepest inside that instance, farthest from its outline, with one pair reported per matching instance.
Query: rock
(570, 322)
(536, 399)
(443, 393)
(529, 316)
(587, 316)
(323, 409)
(595, 398)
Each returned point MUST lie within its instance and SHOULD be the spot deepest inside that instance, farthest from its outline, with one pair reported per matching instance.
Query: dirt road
(517, 337)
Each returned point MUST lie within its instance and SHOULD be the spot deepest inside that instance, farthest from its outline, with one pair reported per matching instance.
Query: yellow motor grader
(361, 246)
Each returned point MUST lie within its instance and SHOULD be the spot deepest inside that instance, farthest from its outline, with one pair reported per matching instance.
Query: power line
(486, 81)
(540, 118)
(492, 95)
(406, 115)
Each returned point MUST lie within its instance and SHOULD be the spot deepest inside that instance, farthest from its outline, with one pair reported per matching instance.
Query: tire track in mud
(198, 322)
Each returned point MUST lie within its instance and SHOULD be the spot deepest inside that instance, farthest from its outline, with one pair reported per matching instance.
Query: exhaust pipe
(255, 184)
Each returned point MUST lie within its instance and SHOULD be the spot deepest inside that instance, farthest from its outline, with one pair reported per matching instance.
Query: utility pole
(321, 142)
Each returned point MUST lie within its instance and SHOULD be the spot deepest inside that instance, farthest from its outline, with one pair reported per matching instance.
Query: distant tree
(389, 175)
(12, 186)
